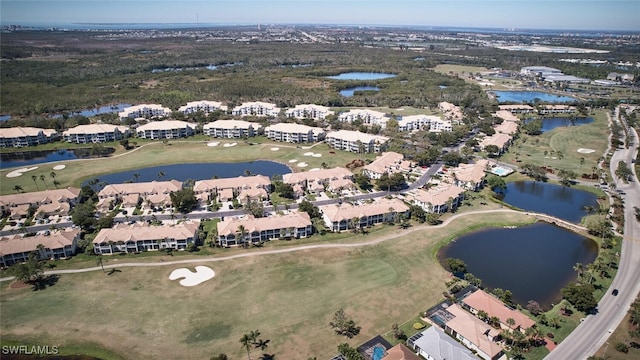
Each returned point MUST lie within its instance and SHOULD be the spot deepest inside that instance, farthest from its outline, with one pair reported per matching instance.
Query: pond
(534, 262)
(361, 76)
(97, 111)
(551, 123)
(197, 171)
(556, 200)
(530, 96)
(351, 91)
(28, 158)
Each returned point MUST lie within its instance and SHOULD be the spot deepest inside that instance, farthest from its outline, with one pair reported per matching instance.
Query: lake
(197, 171)
(361, 76)
(534, 262)
(28, 158)
(351, 91)
(549, 124)
(530, 96)
(556, 200)
(97, 111)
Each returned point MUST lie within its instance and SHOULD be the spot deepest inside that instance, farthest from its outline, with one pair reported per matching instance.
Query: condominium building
(146, 111)
(469, 176)
(518, 109)
(556, 109)
(502, 141)
(25, 136)
(231, 129)
(46, 203)
(294, 133)
(95, 133)
(339, 217)
(236, 231)
(424, 122)
(309, 111)
(139, 237)
(257, 108)
(437, 199)
(357, 142)
(154, 193)
(168, 129)
(319, 180)
(242, 188)
(435, 344)
(473, 333)
(57, 244)
(450, 111)
(202, 106)
(365, 116)
(387, 163)
(481, 301)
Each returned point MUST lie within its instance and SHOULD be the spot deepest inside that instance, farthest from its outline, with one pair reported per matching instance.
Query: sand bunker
(19, 172)
(59, 167)
(230, 145)
(308, 154)
(212, 144)
(202, 274)
(585, 151)
(303, 164)
(317, 155)
(293, 160)
(275, 148)
(314, 169)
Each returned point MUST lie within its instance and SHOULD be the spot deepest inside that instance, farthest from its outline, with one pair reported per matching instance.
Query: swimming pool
(378, 353)
(501, 171)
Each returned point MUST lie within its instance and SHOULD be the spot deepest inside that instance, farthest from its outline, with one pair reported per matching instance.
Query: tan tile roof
(498, 139)
(240, 182)
(145, 188)
(166, 125)
(480, 300)
(437, 195)
(507, 116)
(507, 127)
(346, 211)
(15, 132)
(400, 352)
(231, 124)
(385, 162)
(142, 231)
(251, 224)
(95, 129)
(516, 107)
(471, 172)
(16, 244)
(317, 176)
(473, 329)
(54, 195)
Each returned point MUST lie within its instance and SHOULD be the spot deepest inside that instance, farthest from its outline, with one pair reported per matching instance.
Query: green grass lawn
(289, 297)
(567, 140)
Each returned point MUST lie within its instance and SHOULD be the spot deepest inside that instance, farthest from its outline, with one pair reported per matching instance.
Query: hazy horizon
(565, 15)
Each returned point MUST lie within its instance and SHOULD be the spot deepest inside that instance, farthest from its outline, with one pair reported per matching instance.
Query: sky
(621, 15)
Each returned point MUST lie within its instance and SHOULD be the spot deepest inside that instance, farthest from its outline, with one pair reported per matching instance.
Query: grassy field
(177, 152)
(567, 140)
(620, 335)
(289, 297)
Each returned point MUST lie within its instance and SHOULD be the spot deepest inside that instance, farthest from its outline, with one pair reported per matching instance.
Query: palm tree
(483, 315)
(18, 188)
(136, 176)
(579, 268)
(247, 342)
(161, 174)
(42, 179)
(41, 250)
(56, 183)
(53, 175)
(242, 233)
(511, 322)
(34, 178)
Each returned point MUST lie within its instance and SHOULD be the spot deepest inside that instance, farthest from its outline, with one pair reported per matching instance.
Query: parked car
(614, 292)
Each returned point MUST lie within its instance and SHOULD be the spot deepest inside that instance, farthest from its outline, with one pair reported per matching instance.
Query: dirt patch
(18, 284)
(305, 83)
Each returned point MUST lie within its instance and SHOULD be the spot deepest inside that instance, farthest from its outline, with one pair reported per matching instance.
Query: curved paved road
(278, 251)
(594, 332)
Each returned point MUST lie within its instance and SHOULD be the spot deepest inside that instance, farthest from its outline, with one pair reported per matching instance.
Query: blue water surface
(361, 76)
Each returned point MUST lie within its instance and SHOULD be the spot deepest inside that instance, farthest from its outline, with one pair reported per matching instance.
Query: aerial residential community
(318, 192)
